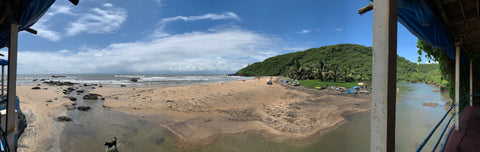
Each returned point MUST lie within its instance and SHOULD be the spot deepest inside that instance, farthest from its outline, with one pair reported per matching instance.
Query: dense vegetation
(338, 63)
(447, 68)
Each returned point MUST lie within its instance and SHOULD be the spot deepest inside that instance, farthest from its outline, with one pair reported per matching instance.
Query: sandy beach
(197, 113)
(42, 132)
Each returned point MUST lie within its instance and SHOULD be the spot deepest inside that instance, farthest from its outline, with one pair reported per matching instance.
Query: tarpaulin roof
(3, 62)
(26, 13)
(420, 20)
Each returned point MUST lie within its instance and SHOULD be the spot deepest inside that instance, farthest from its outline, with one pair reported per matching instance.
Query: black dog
(112, 143)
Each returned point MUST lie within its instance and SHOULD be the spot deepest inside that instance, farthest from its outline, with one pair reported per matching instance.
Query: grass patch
(317, 83)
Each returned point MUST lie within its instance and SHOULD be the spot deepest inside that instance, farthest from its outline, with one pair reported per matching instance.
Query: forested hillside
(341, 62)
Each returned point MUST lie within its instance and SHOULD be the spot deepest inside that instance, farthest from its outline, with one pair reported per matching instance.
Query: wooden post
(457, 87)
(3, 79)
(382, 131)
(471, 83)
(11, 88)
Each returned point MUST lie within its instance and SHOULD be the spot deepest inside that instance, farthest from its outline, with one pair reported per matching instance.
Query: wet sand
(197, 114)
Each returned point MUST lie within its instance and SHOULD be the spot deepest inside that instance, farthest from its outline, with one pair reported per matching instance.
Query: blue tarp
(3, 62)
(27, 14)
(419, 19)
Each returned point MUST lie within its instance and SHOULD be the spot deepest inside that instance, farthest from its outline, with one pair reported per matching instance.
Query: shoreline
(180, 120)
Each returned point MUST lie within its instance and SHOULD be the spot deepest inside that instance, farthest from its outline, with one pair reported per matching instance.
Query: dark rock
(100, 86)
(49, 101)
(44, 88)
(123, 85)
(68, 90)
(83, 108)
(91, 96)
(92, 87)
(34, 80)
(72, 98)
(134, 79)
(58, 83)
(38, 84)
(58, 76)
(36, 88)
(64, 118)
(80, 91)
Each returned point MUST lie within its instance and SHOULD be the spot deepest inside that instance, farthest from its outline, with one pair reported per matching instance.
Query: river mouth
(89, 130)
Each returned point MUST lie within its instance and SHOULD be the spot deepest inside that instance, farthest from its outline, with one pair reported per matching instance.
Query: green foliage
(329, 63)
(339, 63)
(447, 68)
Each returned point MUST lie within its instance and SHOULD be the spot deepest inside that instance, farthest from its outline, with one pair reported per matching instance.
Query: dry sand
(42, 132)
(197, 113)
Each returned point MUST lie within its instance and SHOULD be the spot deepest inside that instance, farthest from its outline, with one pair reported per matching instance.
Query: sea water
(126, 79)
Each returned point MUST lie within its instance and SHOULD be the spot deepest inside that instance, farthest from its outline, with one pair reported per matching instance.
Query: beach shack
(451, 30)
(15, 16)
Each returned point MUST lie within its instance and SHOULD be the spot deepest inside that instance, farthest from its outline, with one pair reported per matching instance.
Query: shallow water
(91, 129)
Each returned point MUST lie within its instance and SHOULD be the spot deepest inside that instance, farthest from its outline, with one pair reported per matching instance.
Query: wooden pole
(3, 80)
(11, 88)
(382, 131)
(457, 87)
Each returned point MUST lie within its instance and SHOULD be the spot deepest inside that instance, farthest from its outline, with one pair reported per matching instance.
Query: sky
(189, 36)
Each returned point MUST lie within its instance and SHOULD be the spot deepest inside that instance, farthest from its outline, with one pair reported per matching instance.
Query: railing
(5, 146)
(420, 147)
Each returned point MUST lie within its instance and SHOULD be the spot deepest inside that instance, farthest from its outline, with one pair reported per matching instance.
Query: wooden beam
(365, 9)
(476, 18)
(445, 19)
(12, 81)
(468, 33)
(384, 68)
(449, 1)
(464, 17)
(478, 9)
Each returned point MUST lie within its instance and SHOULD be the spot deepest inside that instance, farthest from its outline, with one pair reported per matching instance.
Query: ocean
(129, 79)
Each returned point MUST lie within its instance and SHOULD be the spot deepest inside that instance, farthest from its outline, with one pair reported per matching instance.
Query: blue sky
(189, 36)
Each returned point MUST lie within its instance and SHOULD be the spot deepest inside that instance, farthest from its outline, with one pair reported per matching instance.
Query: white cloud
(106, 20)
(42, 25)
(220, 51)
(210, 16)
(304, 32)
(107, 5)
(338, 29)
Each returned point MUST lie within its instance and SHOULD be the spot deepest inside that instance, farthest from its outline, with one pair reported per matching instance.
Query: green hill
(341, 62)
